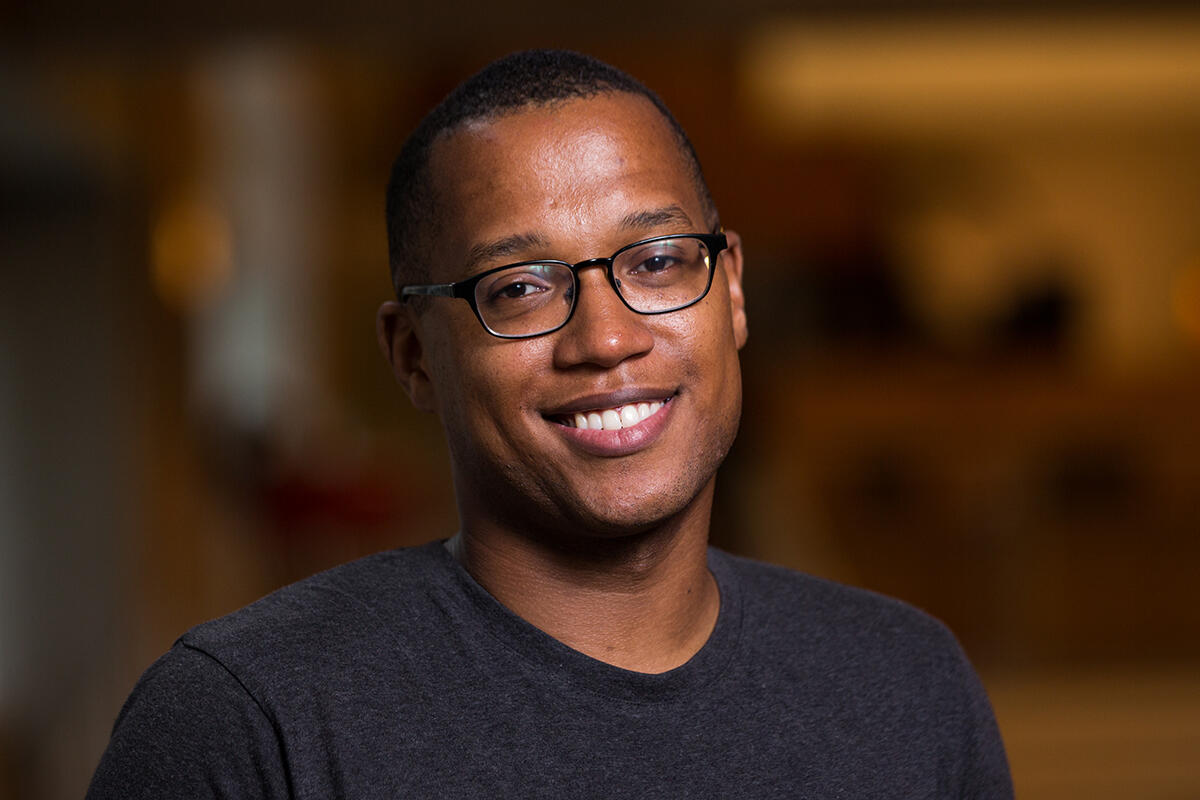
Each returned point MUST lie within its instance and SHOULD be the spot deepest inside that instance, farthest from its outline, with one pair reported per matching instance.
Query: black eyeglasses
(532, 298)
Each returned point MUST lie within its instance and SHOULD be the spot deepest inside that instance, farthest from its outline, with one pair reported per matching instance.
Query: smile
(612, 419)
(636, 419)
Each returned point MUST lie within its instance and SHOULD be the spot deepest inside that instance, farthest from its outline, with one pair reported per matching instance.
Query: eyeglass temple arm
(439, 289)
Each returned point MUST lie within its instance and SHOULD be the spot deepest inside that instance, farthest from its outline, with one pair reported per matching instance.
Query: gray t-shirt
(399, 676)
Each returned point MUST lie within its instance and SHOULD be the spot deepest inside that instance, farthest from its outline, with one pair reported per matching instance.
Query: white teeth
(629, 416)
(611, 419)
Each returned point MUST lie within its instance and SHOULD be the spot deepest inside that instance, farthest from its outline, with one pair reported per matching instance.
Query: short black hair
(516, 81)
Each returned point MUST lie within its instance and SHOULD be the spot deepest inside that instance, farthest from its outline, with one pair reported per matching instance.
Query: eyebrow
(520, 243)
(504, 248)
(657, 217)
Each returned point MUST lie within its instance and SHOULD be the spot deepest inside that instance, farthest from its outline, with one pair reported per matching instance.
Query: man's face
(571, 182)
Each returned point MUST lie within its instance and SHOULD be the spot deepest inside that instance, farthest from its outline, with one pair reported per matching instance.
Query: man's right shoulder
(388, 598)
(205, 719)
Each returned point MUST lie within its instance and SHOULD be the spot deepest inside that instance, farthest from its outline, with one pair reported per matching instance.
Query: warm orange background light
(192, 253)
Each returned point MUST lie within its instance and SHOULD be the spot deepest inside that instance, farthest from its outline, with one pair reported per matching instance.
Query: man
(571, 310)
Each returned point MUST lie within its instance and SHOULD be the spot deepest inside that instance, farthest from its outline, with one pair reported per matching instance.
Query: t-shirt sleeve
(190, 729)
(984, 771)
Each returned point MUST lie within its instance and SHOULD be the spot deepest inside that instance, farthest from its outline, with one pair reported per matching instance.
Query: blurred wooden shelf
(1045, 515)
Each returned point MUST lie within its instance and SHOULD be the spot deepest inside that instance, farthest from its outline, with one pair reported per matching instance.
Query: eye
(518, 284)
(656, 263)
(515, 289)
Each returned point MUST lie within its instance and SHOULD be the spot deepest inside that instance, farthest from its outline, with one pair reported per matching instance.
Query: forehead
(568, 173)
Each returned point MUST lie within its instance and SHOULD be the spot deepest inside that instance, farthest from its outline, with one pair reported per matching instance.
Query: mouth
(612, 418)
(616, 424)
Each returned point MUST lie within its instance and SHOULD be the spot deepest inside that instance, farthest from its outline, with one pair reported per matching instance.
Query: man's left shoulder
(872, 669)
(791, 608)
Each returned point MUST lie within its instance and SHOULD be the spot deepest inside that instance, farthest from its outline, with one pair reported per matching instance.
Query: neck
(644, 602)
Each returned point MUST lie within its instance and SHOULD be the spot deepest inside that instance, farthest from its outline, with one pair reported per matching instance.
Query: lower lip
(620, 442)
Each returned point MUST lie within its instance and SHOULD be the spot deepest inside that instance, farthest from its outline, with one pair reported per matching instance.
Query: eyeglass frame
(465, 289)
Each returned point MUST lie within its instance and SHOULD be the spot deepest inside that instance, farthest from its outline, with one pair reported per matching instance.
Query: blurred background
(973, 277)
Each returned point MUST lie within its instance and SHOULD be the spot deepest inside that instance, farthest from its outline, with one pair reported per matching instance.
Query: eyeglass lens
(651, 277)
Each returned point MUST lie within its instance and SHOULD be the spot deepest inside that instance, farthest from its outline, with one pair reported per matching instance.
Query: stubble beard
(554, 510)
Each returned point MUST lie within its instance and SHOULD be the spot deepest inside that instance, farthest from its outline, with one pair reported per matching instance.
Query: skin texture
(604, 552)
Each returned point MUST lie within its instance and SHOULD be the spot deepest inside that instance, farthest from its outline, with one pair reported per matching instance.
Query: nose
(603, 332)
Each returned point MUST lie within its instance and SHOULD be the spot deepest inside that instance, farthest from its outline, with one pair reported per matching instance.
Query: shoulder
(862, 658)
(189, 729)
(213, 715)
(800, 599)
(868, 668)
(821, 623)
(334, 618)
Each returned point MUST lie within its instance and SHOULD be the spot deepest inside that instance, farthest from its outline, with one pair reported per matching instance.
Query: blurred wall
(69, 389)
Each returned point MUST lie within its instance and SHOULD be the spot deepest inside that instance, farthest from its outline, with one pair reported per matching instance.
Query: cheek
(486, 383)
(702, 337)
(457, 369)
(709, 354)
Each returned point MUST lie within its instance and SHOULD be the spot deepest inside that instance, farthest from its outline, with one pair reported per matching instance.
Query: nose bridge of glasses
(604, 330)
(591, 262)
(605, 263)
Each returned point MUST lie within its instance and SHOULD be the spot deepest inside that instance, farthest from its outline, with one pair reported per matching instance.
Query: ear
(400, 342)
(732, 261)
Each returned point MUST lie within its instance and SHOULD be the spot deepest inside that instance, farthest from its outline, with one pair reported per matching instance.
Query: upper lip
(620, 397)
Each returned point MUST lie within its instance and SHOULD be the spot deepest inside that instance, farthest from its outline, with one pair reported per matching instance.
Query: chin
(613, 518)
